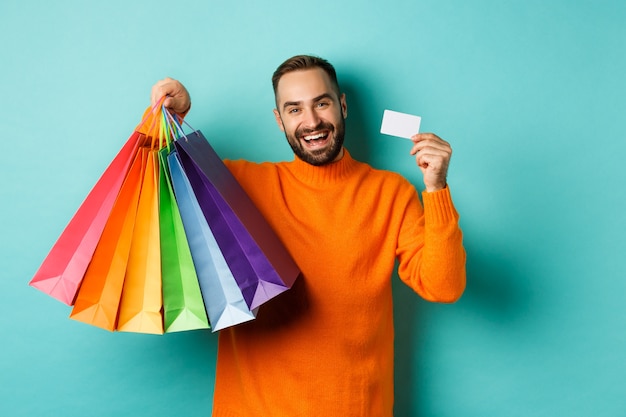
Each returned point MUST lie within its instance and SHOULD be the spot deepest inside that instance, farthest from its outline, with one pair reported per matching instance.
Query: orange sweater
(325, 347)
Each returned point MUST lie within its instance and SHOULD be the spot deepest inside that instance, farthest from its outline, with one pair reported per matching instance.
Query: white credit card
(400, 124)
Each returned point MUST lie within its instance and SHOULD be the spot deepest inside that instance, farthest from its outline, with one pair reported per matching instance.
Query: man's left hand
(432, 155)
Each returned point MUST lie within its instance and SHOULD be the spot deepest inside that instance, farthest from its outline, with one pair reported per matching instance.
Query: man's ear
(279, 120)
(344, 106)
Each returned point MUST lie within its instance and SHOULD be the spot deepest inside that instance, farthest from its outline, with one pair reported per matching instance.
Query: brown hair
(303, 62)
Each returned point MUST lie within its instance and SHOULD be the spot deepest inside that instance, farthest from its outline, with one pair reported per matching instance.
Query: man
(325, 347)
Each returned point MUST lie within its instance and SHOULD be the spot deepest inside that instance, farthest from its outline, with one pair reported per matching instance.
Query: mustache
(320, 126)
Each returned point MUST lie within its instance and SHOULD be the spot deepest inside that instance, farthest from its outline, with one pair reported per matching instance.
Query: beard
(323, 156)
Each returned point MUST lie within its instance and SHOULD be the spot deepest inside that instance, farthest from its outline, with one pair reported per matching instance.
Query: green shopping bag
(183, 306)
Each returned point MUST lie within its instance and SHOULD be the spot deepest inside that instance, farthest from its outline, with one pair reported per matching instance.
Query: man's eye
(322, 104)
(293, 111)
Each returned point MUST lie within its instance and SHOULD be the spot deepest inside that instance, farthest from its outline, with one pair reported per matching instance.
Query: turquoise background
(531, 94)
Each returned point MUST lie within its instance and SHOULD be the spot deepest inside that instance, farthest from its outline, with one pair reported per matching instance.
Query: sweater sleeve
(430, 248)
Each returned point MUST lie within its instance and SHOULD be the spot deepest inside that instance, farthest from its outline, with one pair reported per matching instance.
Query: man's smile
(316, 140)
(315, 136)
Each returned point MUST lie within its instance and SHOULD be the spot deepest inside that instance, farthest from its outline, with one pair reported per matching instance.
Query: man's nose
(311, 119)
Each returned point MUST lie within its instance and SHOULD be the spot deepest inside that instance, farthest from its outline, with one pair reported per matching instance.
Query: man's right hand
(177, 101)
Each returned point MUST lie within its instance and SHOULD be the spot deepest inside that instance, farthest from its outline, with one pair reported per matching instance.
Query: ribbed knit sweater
(325, 347)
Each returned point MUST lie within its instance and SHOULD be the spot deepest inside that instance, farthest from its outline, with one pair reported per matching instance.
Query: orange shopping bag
(142, 302)
(98, 298)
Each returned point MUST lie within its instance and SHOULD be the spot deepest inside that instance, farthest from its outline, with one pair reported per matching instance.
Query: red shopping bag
(63, 269)
(98, 298)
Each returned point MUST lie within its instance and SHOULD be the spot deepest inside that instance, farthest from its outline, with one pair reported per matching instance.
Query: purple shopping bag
(260, 263)
(223, 300)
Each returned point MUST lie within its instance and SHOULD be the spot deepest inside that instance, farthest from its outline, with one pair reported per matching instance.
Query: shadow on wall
(491, 294)
(357, 140)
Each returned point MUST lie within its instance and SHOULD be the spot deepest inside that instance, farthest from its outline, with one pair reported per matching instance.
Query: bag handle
(164, 127)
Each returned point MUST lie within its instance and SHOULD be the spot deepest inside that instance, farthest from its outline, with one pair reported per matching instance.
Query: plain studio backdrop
(531, 94)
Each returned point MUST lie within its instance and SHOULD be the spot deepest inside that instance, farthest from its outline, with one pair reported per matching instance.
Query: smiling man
(310, 111)
(325, 347)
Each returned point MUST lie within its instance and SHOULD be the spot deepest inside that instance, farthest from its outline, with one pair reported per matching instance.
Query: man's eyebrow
(316, 99)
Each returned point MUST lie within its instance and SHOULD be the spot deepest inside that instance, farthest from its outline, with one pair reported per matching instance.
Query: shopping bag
(253, 251)
(235, 243)
(161, 247)
(98, 298)
(63, 269)
(223, 299)
(183, 307)
(142, 302)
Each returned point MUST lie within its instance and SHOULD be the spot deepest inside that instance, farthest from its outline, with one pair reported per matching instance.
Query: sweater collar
(325, 174)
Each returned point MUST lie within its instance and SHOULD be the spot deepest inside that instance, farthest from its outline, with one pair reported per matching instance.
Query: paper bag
(223, 299)
(252, 249)
(183, 307)
(98, 298)
(63, 269)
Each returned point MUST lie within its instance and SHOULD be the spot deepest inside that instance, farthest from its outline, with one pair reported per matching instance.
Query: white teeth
(313, 137)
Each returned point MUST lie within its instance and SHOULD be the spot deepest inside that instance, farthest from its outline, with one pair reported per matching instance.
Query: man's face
(311, 114)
